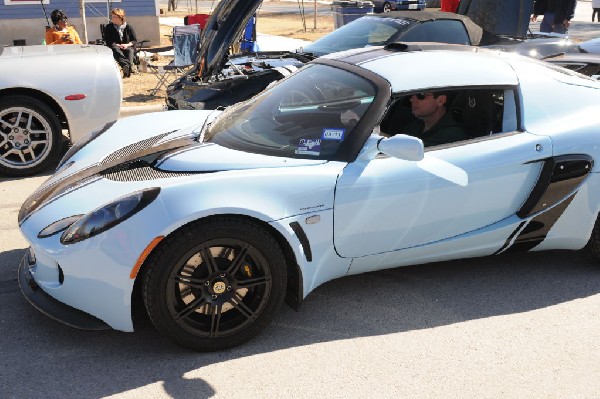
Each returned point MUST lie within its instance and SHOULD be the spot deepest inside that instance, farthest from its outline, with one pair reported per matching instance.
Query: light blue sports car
(212, 219)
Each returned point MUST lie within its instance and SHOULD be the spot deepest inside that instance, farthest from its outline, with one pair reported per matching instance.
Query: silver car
(49, 94)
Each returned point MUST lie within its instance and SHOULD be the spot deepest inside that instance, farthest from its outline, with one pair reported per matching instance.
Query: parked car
(212, 218)
(81, 94)
(586, 64)
(395, 5)
(220, 80)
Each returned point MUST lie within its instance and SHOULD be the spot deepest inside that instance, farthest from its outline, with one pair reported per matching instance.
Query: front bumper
(50, 306)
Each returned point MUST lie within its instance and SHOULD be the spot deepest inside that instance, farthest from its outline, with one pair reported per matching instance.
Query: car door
(388, 204)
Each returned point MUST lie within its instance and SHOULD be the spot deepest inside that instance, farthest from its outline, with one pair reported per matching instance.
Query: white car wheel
(30, 136)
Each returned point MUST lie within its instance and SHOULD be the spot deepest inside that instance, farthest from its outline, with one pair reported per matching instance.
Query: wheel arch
(40, 96)
(294, 290)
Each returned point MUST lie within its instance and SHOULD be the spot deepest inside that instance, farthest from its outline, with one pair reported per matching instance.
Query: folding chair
(185, 52)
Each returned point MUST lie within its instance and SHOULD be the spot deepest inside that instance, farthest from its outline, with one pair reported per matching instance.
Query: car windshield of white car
(309, 115)
(362, 32)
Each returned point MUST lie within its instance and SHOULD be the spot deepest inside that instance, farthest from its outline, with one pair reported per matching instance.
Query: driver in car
(434, 124)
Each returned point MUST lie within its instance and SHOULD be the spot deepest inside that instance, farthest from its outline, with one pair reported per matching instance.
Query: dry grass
(137, 88)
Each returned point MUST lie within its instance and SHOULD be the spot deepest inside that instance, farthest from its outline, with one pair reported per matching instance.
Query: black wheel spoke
(208, 259)
(238, 261)
(225, 251)
(215, 320)
(242, 308)
(190, 308)
(253, 282)
(189, 281)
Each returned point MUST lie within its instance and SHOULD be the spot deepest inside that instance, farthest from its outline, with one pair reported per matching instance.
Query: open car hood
(222, 29)
(501, 17)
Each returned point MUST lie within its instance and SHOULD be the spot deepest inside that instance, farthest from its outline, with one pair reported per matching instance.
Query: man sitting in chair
(434, 125)
(120, 37)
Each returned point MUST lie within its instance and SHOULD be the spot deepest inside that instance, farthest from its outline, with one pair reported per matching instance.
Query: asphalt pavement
(512, 326)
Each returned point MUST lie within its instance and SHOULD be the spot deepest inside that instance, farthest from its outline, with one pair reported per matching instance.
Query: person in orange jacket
(450, 5)
(62, 32)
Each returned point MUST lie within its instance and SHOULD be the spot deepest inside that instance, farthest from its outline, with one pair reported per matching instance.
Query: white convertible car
(212, 219)
(47, 89)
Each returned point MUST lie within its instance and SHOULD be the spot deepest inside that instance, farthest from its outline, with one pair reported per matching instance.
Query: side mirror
(402, 146)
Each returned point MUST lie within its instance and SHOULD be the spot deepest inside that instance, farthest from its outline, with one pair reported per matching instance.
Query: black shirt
(445, 131)
(112, 38)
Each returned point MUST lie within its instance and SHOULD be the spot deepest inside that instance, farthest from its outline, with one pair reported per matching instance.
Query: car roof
(474, 31)
(420, 65)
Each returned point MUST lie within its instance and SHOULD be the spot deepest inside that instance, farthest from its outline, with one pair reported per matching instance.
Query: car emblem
(219, 287)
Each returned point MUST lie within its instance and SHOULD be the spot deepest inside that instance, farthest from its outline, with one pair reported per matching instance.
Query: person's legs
(547, 24)
(123, 60)
(129, 53)
(596, 13)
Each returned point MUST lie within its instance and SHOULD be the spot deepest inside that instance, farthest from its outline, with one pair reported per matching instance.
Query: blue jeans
(548, 24)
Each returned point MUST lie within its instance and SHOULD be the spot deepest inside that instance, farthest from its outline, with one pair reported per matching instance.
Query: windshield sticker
(333, 134)
(309, 147)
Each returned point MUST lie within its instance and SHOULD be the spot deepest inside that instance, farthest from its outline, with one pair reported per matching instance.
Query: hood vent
(133, 148)
(139, 171)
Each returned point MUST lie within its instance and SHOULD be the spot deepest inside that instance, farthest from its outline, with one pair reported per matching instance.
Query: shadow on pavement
(41, 354)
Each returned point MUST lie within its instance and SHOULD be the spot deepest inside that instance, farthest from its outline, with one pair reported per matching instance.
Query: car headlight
(108, 216)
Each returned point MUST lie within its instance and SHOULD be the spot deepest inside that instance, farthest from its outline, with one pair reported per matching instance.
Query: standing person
(120, 37)
(596, 8)
(557, 14)
(449, 5)
(61, 32)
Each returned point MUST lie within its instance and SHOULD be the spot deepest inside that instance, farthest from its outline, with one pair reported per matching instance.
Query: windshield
(309, 115)
(362, 32)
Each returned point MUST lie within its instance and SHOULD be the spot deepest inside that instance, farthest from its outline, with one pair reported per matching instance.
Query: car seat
(476, 112)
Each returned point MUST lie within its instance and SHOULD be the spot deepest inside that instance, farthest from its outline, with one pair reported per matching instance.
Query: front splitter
(53, 308)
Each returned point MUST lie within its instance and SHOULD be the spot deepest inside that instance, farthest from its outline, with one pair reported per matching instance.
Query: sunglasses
(421, 96)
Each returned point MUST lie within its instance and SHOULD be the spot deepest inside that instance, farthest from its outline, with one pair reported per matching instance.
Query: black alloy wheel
(215, 284)
(593, 245)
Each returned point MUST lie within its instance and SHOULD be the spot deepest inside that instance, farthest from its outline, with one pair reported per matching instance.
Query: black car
(220, 80)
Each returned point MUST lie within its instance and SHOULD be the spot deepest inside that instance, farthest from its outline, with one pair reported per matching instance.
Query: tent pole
(82, 9)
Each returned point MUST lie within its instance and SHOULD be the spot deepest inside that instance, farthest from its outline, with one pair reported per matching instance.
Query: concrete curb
(141, 109)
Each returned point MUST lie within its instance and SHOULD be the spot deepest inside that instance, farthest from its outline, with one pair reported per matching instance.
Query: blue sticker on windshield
(333, 134)
(309, 147)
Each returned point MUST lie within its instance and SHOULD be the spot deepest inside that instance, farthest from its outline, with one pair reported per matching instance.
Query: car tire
(30, 136)
(593, 245)
(387, 7)
(208, 303)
